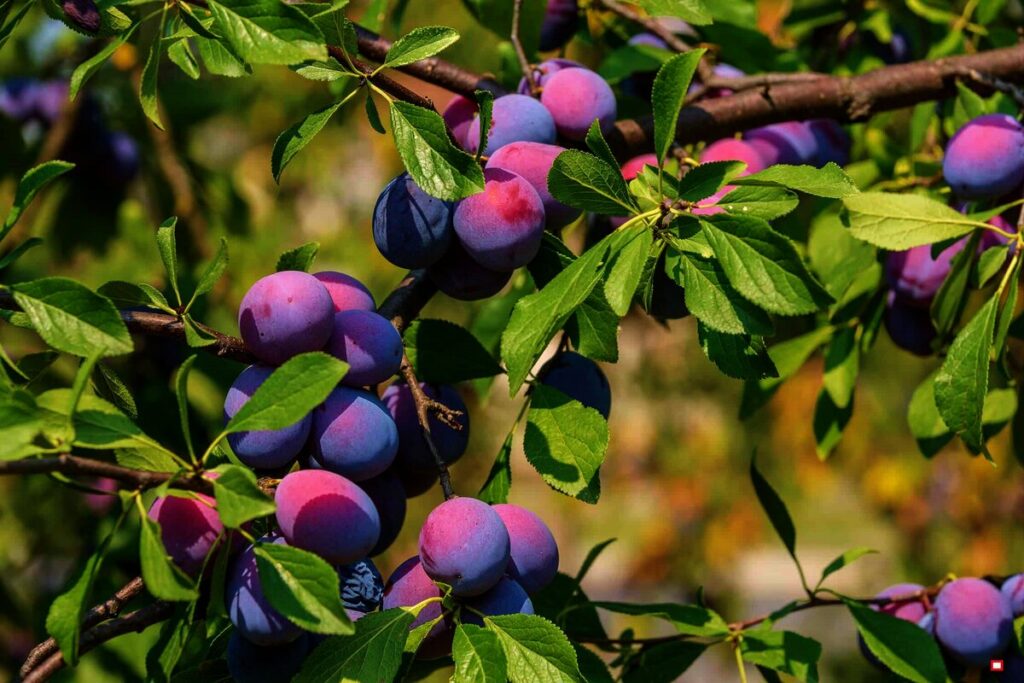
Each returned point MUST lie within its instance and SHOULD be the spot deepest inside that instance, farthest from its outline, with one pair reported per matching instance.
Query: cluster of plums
(102, 156)
(470, 248)
(972, 620)
(359, 457)
(984, 162)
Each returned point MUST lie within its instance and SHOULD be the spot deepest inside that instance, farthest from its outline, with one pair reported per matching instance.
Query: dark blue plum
(413, 452)
(464, 544)
(408, 586)
(346, 292)
(532, 161)
(248, 608)
(462, 278)
(910, 327)
(388, 496)
(533, 559)
(263, 449)
(514, 118)
(973, 620)
(326, 514)
(252, 663)
(1013, 591)
(576, 98)
(579, 378)
(285, 314)
(18, 97)
(507, 597)
(369, 343)
(362, 587)
(502, 227)
(985, 159)
(353, 434)
(410, 228)
(559, 26)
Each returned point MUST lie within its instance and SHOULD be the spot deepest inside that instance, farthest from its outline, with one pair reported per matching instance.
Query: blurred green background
(676, 494)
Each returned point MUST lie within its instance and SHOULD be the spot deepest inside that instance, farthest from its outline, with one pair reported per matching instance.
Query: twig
(999, 84)
(524, 62)
(423, 402)
(101, 612)
(66, 463)
(133, 622)
(405, 301)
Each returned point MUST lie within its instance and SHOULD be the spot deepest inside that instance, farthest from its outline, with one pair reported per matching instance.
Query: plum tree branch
(524, 62)
(133, 622)
(128, 478)
(101, 612)
(423, 405)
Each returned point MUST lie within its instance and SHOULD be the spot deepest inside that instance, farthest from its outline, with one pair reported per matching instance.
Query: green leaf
(268, 31)
(783, 651)
(29, 186)
(478, 656)
(485, 112)
(373, 653)
(167, 652)
(71, 318)
(949, 301)
(372, 115)
(148, 83)
(711, 298)
(691, 620)
(707, 179)
(181, 396)
(599, 146)
(165, 243)
(200, 26)
(443, 352)
(736, 355)
(835, 255)
(759, 201)
(662, 663)
(299, 258)
(419, 43)
(195, 336)
(239, 498)
(16, 253)
(788, 357)
(220, 58)
(326, 72)
(842, 365)
(902, 221)
(903, 646)
(668, 95)
(163, 579)
(499, 479)
(962, 382)
(440, 168)
(64, 619)
(98, 424)
(295, 138)
(302, 587)
(828, 181)
(844, 560)
(625, 270)
(535, 648)
(691, 11)
(537, 317)
(128, 295)
(148, 459)
(776, 510)
(20, 422)
(212, 273)
(585, 181)
(566, 443)
(763, 266)
(291, 391)
(592, 668)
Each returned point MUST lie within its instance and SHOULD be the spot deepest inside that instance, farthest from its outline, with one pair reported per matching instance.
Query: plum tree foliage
(742, 192)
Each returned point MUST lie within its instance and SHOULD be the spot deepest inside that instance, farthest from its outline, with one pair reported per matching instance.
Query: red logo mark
(995, 665)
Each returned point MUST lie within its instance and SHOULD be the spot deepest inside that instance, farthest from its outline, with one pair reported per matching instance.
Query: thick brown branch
(133, 622)
(842, 98)
(433, 70)
(74, 465)
(101, 612)
(405, 301)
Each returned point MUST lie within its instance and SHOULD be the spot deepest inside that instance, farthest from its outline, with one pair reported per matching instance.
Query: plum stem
(524, 62)
(424, 404)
